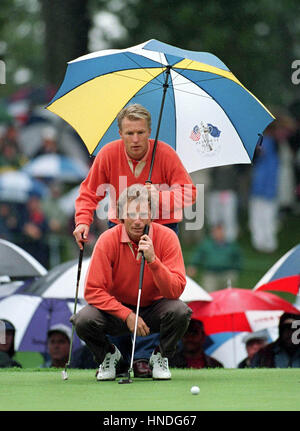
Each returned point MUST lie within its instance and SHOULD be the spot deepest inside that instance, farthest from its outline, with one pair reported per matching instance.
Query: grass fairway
(220, 389)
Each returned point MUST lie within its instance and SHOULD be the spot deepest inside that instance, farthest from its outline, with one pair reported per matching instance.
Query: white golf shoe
(160, 367)
(107, 370)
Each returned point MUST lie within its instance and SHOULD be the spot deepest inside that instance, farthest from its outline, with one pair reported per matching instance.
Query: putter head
(125, 381)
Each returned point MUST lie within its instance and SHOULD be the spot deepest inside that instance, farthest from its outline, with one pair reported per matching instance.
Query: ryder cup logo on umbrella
(206, 137)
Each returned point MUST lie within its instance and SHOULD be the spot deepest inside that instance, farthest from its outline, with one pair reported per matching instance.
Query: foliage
(256, 40)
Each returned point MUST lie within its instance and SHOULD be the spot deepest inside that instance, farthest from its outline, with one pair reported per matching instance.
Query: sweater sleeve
(179, 190)
(168, 271)
(99, 280)
(92, 190)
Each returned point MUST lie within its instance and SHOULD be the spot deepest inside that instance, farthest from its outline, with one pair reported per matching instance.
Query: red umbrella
(227, 312)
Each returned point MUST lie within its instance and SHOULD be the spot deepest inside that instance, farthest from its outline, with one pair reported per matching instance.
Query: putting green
(220, 389)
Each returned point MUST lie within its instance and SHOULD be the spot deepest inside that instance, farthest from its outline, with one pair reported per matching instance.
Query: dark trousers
(169, 317)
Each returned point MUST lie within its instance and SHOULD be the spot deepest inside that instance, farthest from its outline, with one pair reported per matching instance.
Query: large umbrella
(33, 316)
(198, 106)
(18, 186)
(55, 166)
(234, 310)
(60, 282)
(16, 263)
(284, 275)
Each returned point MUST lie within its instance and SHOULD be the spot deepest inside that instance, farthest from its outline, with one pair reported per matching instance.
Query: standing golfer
(112, 281)
(124, 162)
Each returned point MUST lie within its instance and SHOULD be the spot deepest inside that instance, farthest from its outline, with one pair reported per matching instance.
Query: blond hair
(134, 112)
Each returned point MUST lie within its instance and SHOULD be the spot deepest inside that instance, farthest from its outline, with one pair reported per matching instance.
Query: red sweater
(111, 167)
(113, 275)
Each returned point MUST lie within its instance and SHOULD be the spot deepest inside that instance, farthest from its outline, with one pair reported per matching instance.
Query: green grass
(220, 389)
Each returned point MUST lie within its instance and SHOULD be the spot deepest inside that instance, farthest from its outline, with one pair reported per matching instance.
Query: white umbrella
(17, 263)
(60, 282)
(56, 166)
(17, 186)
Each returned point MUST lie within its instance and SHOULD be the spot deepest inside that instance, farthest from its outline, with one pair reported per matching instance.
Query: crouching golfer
(111, 287)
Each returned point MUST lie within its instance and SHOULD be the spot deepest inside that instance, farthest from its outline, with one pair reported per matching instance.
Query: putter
(64, 372)
(129, 380)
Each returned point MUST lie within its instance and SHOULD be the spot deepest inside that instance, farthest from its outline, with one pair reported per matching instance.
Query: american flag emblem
(196, 133)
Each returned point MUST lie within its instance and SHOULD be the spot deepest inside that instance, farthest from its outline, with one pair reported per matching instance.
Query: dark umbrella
(16, 263)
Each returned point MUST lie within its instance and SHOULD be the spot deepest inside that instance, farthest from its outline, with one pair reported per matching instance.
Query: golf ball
(195, 390)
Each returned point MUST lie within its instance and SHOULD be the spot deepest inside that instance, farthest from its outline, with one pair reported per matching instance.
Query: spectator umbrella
(17, 264)
(234, 312)
(33, 316)
(234, 309)
(284, 275)
(55, 166)
(17, 187)
(197, 105)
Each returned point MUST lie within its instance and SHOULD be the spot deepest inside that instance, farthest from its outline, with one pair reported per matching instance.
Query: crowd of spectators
(265, 192)
(38, 224)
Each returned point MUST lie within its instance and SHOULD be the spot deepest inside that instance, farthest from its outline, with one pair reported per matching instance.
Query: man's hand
(81, 234)
(146, 246)
(141, 330)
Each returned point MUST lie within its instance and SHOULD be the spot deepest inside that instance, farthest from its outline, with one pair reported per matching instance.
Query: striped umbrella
(197, 105)
(284, 275)
(32, 316)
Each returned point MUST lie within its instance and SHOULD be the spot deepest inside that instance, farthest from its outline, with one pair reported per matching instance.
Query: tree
(256, 40)
(67, 25)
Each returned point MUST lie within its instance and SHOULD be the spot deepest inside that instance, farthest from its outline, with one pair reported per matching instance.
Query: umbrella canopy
(33, 316)
(233, 310)
(209, 117)
(16, 263)
(18, 186)
(284, 275)
(229, 347)
(55, 166)
(60, 282)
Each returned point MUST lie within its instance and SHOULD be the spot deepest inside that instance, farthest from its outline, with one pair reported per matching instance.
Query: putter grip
(146, 229)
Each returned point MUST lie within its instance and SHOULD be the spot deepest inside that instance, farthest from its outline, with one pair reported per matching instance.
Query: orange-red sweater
(111, 167)
(113, 275)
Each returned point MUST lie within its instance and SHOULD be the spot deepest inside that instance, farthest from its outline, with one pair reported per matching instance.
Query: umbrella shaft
(159, 121)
